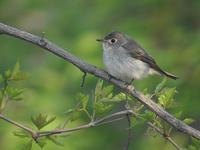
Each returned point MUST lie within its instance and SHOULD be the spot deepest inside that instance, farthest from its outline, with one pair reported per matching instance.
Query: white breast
(122, 66)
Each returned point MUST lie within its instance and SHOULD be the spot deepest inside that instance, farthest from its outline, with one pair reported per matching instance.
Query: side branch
(104, 120)
(47, 45)
(16, 124)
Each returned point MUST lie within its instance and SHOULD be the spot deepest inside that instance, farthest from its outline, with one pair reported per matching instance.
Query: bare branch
(179, 125)
(129, 132)
(167, 137)
(16, 124)
(107, 119)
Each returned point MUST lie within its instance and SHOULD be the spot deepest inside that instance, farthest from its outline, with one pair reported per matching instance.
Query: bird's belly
(126, 68)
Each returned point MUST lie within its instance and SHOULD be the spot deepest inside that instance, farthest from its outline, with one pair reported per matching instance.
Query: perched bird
(126, 60)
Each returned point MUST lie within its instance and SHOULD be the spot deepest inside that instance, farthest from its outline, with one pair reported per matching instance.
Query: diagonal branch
(51, 47)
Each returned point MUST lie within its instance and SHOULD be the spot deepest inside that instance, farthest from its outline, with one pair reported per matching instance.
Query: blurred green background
(168, 30)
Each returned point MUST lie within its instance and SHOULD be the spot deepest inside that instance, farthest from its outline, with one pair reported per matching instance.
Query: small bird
(126, 60)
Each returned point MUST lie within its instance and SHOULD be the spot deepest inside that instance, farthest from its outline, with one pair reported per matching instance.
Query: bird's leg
(129, 86)
(127, 104)
(110, 77)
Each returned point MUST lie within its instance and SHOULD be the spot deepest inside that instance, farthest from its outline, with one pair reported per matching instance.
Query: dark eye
(113, 40)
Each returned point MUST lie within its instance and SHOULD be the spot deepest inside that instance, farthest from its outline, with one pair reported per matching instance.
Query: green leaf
(20, 76)
(148, 115)
(107, 90)
(14, 93)
(178, 114)
(101, 108)
(8, 74)
(16, 74)
(120, 97)
(188, 120)
(55, 140)
(137, 122)
(22, 134)
(160, 85)
(166, 97)
(41, 142)
(28, 145)
(162, 100)
(42, 120)
(16, 69)
(69, 111)
(84, 100)
(196, 143)
(98, 89)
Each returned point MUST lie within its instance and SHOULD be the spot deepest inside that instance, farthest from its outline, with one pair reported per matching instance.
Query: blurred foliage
(169, 30)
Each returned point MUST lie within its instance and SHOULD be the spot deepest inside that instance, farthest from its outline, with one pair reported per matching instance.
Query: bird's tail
(170, 75)
(165, 73)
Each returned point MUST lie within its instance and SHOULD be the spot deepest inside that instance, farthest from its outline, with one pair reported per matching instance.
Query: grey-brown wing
(136, 51)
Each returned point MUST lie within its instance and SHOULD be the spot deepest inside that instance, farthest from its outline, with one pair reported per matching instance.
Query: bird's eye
(113, 41)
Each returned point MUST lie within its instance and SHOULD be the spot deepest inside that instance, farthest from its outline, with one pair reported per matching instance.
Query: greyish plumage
(125, 59)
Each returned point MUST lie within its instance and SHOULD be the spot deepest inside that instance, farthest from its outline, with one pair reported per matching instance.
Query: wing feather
(139, 53)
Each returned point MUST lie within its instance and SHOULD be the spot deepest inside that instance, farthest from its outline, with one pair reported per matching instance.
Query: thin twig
(167, 137)
(97, 122)
(129, 133)
(16, 124)
(51, 47)
(101, 121)
(110, 121)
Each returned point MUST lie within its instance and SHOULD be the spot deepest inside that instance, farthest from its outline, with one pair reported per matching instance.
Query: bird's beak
(100, 40)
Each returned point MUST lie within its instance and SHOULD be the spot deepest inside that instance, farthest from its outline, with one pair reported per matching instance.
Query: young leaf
(148, 115)
(84, 100)
(107, 90)
(160, 85)
(119, 97)
(8, 74)
(188, 120)
(69, 111)
(20, 76)
(14, 93)
(166, 97)
(41, 142)
(41, 121)
(162, 100)
(196, 143)
(22, 134)
(55, 140)
(178, 114)
(98, 89)
(101, 108)
(16, 69)
(28, 145)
